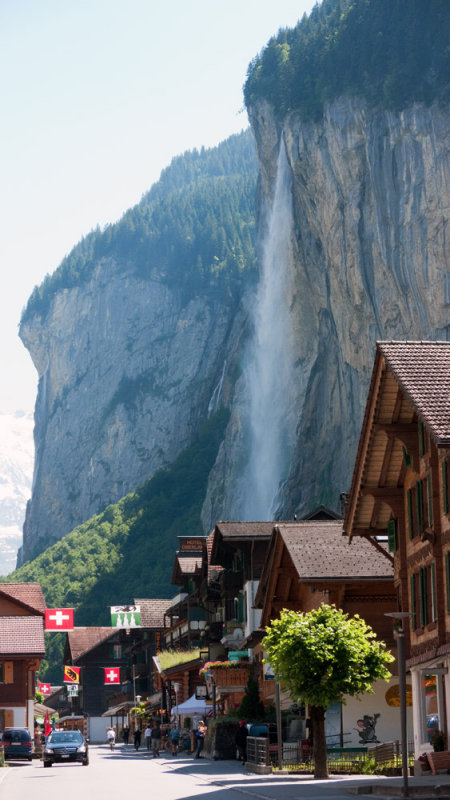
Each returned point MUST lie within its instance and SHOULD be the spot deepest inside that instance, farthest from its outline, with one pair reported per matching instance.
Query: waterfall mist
(268, 372)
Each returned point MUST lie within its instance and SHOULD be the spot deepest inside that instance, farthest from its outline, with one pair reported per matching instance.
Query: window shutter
(444, 486)
(412, 584)
(430, 499)
(409, 502)
(392, 535)
(433, 592)
(447, 580)
(419, 505)
(423, 596)
(406, 457)
(9, 717)
(8, 672)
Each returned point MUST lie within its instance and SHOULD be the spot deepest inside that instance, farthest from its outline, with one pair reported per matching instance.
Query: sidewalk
(229, 774)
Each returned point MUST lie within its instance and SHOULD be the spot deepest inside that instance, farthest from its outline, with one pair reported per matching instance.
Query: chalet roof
(22, 636)
(319, 551)
(189, 565)
(27, 594)
(152, 612)
(409, 380)
(82, 640)
(244, 530)
(422, 369)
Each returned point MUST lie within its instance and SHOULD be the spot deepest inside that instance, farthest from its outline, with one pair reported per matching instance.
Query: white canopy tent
(191, 706)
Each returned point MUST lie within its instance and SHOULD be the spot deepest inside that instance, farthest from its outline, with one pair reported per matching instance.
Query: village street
(125, 773)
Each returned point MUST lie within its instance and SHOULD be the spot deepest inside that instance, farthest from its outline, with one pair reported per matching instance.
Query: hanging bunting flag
(59, 619)
(112, 675)
(125, 616)
(44, 688)
(72, 674)
(72, 690)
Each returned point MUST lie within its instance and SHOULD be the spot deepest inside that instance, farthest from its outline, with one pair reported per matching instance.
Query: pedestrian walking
(111, 738)
(156, 740)
(174, 739)
(137, 739)
(200, 736)
(126, 734)
(148, 737)
(241, 740)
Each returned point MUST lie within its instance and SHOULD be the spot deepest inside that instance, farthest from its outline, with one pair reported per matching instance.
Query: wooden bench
(439, 761)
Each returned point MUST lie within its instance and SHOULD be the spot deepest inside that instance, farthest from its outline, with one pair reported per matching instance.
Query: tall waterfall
(269, 369)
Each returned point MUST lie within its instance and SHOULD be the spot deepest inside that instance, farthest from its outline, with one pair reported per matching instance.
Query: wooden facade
(400, 490)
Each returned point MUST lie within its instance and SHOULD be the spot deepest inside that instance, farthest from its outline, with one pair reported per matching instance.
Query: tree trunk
(319, 742)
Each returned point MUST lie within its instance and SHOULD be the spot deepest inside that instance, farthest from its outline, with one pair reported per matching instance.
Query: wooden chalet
(309, 563)
(22, 647)
(400, 490)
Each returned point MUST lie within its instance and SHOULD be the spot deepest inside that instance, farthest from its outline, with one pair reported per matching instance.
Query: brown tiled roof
(188, 565)
(319, 550)
(422, 369)
(81, 640)
(22, 636)
(244, 530)
(152, 612)
(27, 594)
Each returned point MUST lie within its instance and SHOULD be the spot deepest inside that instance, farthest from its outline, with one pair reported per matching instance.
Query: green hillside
(195, 227)
(392, 52)
(128, 550)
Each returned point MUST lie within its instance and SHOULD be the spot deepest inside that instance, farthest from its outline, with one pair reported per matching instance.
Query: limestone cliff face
(128, 370)
(370, 260)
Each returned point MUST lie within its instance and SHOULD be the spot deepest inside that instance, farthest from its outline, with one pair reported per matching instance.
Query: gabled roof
(244, 530)
(152, 612)
(410, 381)
(22, 636)
(319, 551)
(28, 595)
(235, 532)
(422, 369)
(82, 640)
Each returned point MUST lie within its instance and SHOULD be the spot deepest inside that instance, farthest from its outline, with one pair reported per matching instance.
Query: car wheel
(85, 762)
(47, 763)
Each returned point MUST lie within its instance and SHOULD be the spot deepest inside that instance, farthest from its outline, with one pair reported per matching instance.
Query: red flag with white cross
(45, 688)
(112, 675)
(59, 619)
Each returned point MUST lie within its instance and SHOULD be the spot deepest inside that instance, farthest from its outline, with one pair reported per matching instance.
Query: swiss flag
(59, 619)
(112, 675)
(47, 726)
(44, 687)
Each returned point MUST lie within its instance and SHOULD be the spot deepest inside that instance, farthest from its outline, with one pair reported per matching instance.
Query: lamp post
(399, 635)
(176, 687)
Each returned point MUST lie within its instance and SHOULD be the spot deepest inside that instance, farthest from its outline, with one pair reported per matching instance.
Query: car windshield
(65, 737)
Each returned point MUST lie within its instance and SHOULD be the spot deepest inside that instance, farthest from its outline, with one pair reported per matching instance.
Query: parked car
(65, 746)
(17, 743)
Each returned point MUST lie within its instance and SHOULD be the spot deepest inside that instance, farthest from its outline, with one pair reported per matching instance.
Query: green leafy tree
(321, 657)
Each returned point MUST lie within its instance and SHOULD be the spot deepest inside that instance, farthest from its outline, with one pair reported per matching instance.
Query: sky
(98, 96)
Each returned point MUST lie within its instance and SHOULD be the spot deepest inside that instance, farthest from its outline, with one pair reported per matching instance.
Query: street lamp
(177, 687)
(399, 635)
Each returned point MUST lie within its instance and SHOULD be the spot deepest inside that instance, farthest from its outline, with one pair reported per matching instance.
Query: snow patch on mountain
(16, 472)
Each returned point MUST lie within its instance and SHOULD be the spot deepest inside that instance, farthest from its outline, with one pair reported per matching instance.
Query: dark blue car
(17, 744)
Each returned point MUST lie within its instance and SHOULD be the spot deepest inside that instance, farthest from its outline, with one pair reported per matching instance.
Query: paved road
(125, 773)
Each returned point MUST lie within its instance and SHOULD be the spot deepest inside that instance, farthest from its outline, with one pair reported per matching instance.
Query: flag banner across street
(125, 616)
(59, 619)
(72, 674)
(112, 675)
